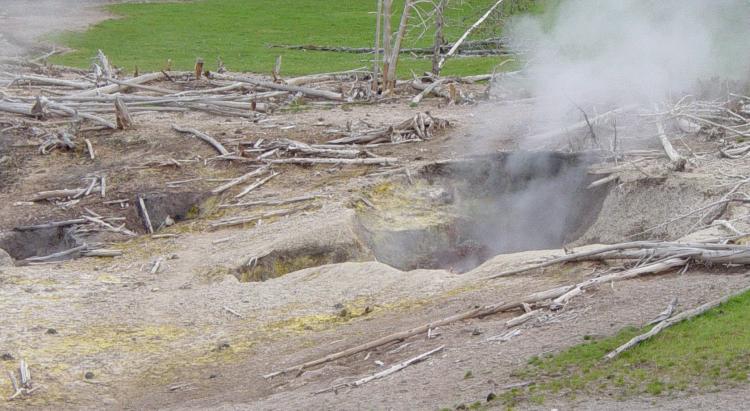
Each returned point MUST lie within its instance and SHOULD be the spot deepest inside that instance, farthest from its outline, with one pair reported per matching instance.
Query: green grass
(239, 32)
(706, 353)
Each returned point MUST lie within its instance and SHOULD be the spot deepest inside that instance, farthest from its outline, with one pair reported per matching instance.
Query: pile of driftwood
(91, 95)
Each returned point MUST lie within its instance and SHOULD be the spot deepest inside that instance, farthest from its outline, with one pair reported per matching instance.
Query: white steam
(599, 54)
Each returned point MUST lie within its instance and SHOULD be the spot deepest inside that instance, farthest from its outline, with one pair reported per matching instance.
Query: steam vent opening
(456, 215)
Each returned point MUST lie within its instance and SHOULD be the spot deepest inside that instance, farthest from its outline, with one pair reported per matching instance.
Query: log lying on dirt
(349, 161)
(701, 252)
(685, 315)
(251, 219)
(123, 86)
(475, 313)
(203, 136)
(311, 92)
(49, 81)
(419, 127)
(395, 368)
(239, 180)
(678, 161)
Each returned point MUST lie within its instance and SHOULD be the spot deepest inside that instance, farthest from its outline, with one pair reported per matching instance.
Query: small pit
(456, 215)
(38, 242)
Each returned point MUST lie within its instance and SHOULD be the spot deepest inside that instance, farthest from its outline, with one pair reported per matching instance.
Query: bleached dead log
(65, 193)
(579, 125)
(112, 228)
(522, 318)
(395, 368)
(666, 313)
(678, 162)
(474, 313)
(685, 315)
(104, 64)
(124, 120)
(114, 88)
(56, 255)
(270, 202)
(74, 113)
(145, 216)
(603, 181)
(348, 161)
(50, 80)
(427, 90)
(102, 252)
(203, 136)
(657, 267)
(255, 185)
(466, 34)
(53, 224)
(431, 88)
(328, 95)
(251, 219)
(239, 180)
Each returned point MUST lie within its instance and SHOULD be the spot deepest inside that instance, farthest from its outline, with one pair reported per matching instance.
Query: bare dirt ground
(191, 336)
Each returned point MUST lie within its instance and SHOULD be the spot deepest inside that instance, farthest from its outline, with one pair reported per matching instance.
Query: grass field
(239, 31)
(703, 354)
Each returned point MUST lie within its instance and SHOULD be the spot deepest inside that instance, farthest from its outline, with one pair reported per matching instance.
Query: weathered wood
(395, 368)
(466, 34)
(678, 162)
(270, 202)
(239, 180)
(56, 255)
(328, 95)
(685, 315)
(255, 185)
(198, 70)
(426, 91)
(145, 216)
(203, 136)
(245, 220)
(65, 193)
(53, 224)
(114, 88)
(474, 313)
(122, 115)
(51, 81)
(349, 161)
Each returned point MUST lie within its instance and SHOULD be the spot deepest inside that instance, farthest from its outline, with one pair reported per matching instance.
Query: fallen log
(245, 220)
(678, 162)
(255, 185)
(122, 115)
(270, 202)
(203, 136)
(395, 368)
(328, 95)
(685, 315)
(123, 86)
(56, 255)
(349, 161)
(474, 313)
(65, 193)
(239, 180)
(52, 81)
(466, 34)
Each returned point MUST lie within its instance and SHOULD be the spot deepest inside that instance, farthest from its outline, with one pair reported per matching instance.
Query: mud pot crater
(456, 215)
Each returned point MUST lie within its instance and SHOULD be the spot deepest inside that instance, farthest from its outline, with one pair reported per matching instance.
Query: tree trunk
(439, 39)
(376, 60)
(393, 62)
(387, 14)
